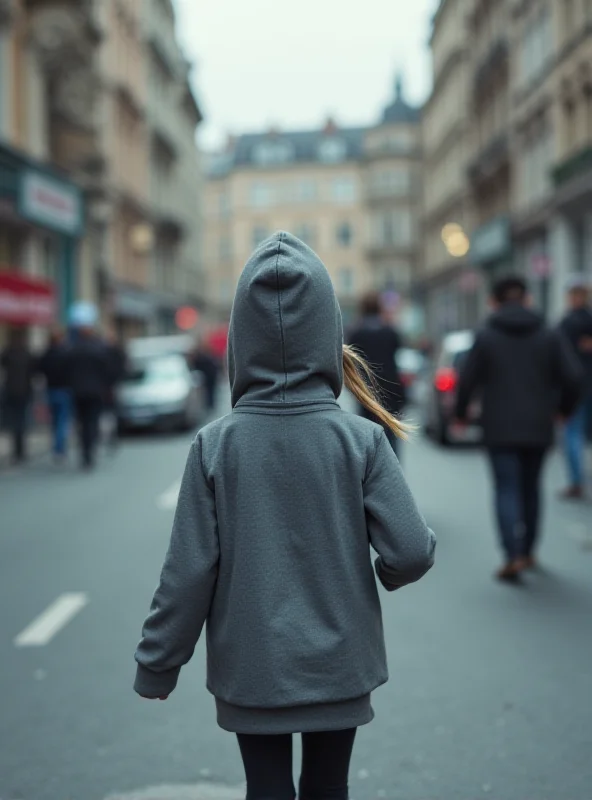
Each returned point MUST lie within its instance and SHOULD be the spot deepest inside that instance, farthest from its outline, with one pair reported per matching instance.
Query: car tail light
(445, 379)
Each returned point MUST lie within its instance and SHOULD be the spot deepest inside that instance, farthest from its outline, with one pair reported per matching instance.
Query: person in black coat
(17, 365)
(527, 377)
(90, 380)
(118, 364)
(577, 328)
(54, 366)
(379, 343)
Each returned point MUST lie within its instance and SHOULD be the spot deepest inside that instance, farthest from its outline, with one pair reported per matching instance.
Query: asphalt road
(491, 686)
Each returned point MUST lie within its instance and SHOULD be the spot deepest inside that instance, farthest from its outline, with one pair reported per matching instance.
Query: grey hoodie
(279, 505)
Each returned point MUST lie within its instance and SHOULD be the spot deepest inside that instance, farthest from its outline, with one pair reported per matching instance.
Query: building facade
(450, 284)
(41, 207)
(175, 174)
(514, 80)
(552, 135)
(82, 92)
(350, 193)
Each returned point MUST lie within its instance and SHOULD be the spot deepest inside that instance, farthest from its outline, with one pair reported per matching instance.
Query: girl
(278, 505)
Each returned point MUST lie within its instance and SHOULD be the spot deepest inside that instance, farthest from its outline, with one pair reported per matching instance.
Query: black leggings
(325, 766)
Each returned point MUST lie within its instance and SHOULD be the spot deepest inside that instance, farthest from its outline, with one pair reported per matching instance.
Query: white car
(160, 391)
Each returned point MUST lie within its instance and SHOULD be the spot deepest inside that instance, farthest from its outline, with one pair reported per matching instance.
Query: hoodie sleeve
(472, 376)
(399, 534)
(182, 600)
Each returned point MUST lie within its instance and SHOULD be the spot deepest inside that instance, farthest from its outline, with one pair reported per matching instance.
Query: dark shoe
(573, 493)
(510, 572)
(527, 563)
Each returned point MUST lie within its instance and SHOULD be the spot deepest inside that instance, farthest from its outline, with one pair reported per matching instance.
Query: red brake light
(445, 379)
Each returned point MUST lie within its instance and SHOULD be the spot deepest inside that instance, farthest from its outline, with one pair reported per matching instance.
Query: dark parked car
(440, 397)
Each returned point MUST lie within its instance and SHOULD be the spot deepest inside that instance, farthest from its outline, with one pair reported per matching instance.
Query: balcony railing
(7, 12)
(575, 165)
(492, 158)
(495, 59)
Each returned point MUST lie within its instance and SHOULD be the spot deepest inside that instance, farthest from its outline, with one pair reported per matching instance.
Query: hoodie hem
(296, 719)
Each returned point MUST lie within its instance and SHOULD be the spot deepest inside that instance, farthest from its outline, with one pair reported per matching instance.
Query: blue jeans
(517, 473)
(575, 442)
(60, 407)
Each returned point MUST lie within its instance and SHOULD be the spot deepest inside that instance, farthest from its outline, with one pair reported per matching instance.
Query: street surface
(491, 686)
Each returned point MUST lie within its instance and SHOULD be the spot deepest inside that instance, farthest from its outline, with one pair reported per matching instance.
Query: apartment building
(41, 207)
(175, 174)
(507, 128)
(490, 165)
(392, 152)
(552, 137)
(350, 193)
(450, 284)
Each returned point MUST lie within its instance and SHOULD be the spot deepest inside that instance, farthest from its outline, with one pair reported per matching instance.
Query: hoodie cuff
(155, 684)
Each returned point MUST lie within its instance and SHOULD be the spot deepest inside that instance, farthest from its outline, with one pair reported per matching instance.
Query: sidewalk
(38, 445)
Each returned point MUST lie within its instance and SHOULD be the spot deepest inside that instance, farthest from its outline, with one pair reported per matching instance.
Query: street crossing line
(52, 620)
(168, 500)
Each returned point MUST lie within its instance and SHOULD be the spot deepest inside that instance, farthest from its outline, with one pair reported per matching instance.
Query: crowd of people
(80, 370)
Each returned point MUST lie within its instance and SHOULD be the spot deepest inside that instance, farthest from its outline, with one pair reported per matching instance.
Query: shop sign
(51, 203)
(25, 300)
(491, 241)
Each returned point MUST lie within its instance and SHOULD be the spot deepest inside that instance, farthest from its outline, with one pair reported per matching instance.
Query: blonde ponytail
(361, 381)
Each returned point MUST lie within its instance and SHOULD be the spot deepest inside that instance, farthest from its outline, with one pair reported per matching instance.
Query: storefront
(41, 216)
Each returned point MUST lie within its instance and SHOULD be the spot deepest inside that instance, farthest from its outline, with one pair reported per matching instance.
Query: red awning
(25, 300)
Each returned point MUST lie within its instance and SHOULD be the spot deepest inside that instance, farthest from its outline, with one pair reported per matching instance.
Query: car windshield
(156, 370)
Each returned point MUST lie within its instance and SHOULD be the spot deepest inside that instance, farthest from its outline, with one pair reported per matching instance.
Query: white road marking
(168, 500)
(52, 620)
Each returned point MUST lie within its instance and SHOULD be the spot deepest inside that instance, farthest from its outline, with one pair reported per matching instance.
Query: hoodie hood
(285, 340)
(516, 320)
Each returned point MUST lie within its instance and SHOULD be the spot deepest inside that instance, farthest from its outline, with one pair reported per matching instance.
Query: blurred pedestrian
(18, 370)
(54, 366)
(270, 544)
(117, 358)
(203, 361)
(379, 342)
(90, 378)
(577, 327)
(527, 376)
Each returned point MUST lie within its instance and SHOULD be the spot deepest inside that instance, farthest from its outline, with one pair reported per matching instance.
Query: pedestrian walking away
(270, 546)
(379, 342)
(89, 380)
(16, 392)
(527, 376)
(54, 366)
(577, 327)
(117, 361)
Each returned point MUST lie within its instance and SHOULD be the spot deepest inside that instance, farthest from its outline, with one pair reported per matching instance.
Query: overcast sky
(290, 64)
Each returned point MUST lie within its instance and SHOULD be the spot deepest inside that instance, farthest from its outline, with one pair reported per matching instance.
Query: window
(346, 281)
(224, 205)
(273, 152)
(343, 191)
(261, 195)
(306, 190)
(391, 181)
(259, 235)
(344, 234)
(332, 150)
(307, 233)
(392, 229)
(225, 248)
